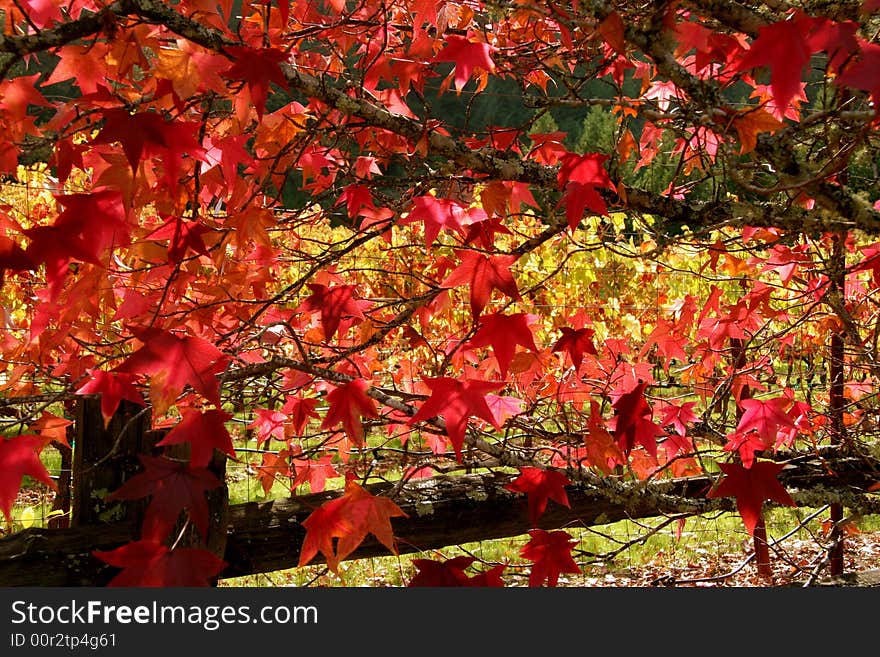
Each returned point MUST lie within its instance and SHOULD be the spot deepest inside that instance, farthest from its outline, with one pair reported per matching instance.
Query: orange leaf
(748, 124)
(626, 145)
(349, 519)
(52, 428)
(602, 449)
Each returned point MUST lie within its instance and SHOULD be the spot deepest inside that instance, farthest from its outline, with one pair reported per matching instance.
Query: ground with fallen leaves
(796, 563)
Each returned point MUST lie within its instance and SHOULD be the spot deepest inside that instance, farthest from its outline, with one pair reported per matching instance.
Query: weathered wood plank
(862, 578)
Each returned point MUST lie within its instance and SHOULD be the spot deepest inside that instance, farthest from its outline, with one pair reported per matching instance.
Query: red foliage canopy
(370, 229)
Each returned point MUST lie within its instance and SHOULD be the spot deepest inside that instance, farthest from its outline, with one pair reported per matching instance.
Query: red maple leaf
(483, 274)
(485, 230)
(333, 303)
(612, 30)
(356, 198)
(20, 456)
(467, 56)
(632, 422)
(579, 198)
(14, 258)
(805, 421)
(324, 525)
(83, 63)
(229, 152)
(488, 578)
(540, 485)
(862, 73)
(747, 445)
(441, 573)
(579, 176)
(88, 226)
(315, 471)
(175, 362)
(504, 407)
(299, 411)
(349, 519)
(147, 563)
(173, 486)
(551, 554)
(348, 404)
(576, 343)
(710, 46)
(503, 333)
(548, 147)
(751, 486)
(182, 236)
(668, 343)
(838, 39)
(721, 329)
(42, 12)
(150, 135)
(272, 468)
(95, 220)
(870, 261)
(437, 213)
(258, 67)
(113, 387)
(456, 401)
(18, 94)
(451, 573)
(678, 416)
(784, 48)
(767, 418)
(586, 169)
(268, 424)
(204, 432)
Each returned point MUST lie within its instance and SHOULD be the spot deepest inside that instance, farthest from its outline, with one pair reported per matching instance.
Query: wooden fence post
(104, 457)
(836, 400)
(65, 475)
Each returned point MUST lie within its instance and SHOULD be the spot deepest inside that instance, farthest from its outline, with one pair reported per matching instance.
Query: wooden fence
(260, 537)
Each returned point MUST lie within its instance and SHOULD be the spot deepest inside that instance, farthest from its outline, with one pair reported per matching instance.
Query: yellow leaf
(177, 66)
(27, 517)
